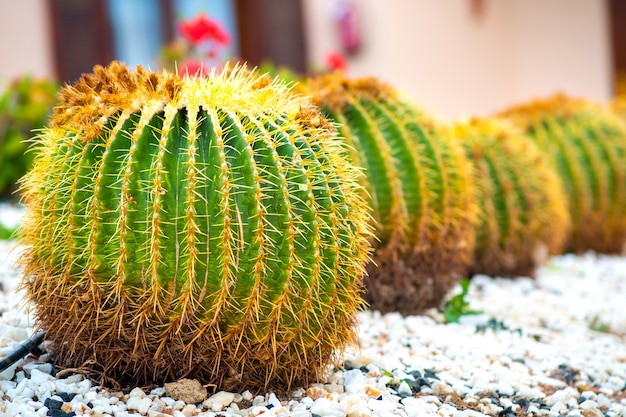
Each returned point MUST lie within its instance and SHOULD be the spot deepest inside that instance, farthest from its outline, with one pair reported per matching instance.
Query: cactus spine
(419, 188)
(193, 227)
(523, 211)
(587, 144)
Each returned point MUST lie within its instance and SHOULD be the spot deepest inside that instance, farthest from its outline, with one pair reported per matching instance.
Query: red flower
(192, 67)
(336, 62)
(203, 28)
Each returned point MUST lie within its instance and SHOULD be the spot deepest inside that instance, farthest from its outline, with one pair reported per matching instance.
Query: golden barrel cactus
(586, 143)
(523, 215)
(419, 187)
(207, 228)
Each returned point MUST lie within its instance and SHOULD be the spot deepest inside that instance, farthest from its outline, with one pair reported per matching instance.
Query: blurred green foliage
(283, 72)
(24, 108)
(6, 232)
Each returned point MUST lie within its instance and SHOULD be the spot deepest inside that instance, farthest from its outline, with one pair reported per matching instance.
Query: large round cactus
(523, 214)
(419, 185)
(586, 142)
(193, 227)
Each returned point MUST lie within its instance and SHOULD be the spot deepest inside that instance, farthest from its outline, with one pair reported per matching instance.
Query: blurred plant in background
(200, 47)
(203, 41)
(24, 108)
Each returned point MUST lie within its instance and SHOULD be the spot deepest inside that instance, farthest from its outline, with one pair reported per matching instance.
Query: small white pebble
(273, 401)
(588, 404)
(325, 407)
(137, 392)
(219, 401)
(139, 404)
(247, 395)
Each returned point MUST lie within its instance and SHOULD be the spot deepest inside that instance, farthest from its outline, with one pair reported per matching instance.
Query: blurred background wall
(453, 57)
(25, 40)
(465, 57)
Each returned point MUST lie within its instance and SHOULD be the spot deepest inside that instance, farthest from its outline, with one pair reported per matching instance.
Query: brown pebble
(314, 393)
(189, 391)
(372, 391)
(592, 412)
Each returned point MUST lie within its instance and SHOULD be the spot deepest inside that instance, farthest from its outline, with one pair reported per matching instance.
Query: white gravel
(554, 346)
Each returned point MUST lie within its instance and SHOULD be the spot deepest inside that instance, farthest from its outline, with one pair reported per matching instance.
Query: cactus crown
(204, 227)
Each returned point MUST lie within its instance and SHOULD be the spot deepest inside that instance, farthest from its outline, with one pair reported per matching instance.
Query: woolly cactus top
(87, 105)
(334, 90)
(558, 105)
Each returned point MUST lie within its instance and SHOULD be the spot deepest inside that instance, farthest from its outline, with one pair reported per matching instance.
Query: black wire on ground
(26, 347)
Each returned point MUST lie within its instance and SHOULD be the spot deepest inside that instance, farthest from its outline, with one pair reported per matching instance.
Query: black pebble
(53, 404)
(416, 374)
(507, 412)
(429, 373)
(54, 408)
(66, 396)
(416, 385)
(59, 413)
(522, 402)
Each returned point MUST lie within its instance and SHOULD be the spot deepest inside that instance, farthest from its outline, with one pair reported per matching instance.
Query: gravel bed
(554, 346)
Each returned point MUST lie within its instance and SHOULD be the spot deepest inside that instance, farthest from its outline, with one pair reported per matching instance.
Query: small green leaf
(458, 306)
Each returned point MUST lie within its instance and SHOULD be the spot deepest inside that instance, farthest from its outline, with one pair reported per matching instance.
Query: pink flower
(202, 28)
(192, 67)
(336, 62)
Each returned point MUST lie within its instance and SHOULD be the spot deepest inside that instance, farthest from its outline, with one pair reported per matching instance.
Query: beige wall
(454, 63)
(25, 45)
(441, 55)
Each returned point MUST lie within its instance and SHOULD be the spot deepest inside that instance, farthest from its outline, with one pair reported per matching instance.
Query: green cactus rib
(585, 142)
(523, 211)
(419, 187)
(194, 227)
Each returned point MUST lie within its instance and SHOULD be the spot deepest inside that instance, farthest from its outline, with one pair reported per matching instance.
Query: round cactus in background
(523, 214)
(586, 142)
(418, 182)
(207, 228)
